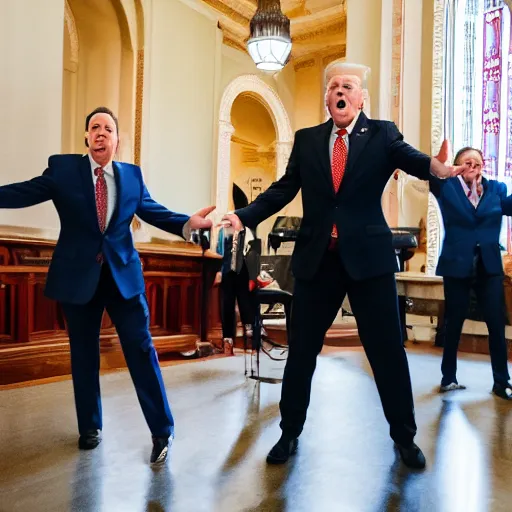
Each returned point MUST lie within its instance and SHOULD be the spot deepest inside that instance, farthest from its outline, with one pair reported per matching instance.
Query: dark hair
(464, 150)
(99, 110)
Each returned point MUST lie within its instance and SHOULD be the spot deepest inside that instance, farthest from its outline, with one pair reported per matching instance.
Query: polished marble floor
(225, 424)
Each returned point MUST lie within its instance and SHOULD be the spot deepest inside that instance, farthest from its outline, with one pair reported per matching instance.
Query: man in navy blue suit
(344, 247)
(96, 267)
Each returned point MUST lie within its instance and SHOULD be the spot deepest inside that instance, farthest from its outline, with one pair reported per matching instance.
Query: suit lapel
(322, 146)
(358, 139)
(485, 197)
(89, 193)
(361, 134)
(119, 177)
(459, 189)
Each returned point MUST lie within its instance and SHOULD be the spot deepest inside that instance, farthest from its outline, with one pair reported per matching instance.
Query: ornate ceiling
(318, 27)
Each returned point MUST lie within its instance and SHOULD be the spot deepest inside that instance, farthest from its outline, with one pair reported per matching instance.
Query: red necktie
(101, 198)
(339, 162)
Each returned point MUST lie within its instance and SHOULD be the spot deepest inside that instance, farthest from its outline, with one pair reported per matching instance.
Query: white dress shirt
(111, 186)
(334, 135)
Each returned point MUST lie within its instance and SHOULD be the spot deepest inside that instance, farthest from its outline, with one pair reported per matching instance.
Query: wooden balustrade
(183, 304)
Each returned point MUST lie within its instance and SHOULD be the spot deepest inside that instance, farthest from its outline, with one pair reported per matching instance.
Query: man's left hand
(438, 165)
(198, 221)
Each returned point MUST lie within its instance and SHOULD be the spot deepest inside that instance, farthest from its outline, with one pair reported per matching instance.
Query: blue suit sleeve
(159, 216)
(28, 193)
(436, 185)
(506, 201)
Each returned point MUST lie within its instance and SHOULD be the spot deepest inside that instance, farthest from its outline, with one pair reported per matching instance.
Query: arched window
(478, 85)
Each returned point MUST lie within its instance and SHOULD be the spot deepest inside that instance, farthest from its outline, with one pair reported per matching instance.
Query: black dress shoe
(412, 456)
(504, 392)
(283, 450)
(89, 440)
(160, 450)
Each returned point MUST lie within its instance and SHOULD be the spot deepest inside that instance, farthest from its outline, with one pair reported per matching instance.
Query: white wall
(412, 71)
(31, 53)
(179, 104)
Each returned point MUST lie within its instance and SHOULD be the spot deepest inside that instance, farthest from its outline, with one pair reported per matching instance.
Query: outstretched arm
(159, 216)
(414, 162)
(27, 193)
(176, 223)
(506, 201)
(405, 157)
(276, 197)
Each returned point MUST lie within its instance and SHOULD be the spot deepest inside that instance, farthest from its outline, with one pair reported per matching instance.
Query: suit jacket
(376, 150)
(74, 271)
(466, 226)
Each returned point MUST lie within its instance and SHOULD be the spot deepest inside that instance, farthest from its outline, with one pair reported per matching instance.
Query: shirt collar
(108, 169)
(349, 128)
(468, 191)
(463, 183)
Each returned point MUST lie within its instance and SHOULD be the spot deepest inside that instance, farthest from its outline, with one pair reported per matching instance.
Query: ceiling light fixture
(270, 43)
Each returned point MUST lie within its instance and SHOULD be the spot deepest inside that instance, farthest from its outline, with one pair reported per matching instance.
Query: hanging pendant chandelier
(270, 43)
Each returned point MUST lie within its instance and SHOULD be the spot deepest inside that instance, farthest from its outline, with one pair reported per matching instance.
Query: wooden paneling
(33, 338)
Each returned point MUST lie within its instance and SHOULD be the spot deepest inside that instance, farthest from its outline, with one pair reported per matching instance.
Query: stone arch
(253, 85)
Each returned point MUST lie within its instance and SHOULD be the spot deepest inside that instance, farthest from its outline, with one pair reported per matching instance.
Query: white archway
(250, 84)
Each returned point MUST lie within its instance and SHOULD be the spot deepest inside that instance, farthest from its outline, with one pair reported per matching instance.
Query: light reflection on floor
(225, 425)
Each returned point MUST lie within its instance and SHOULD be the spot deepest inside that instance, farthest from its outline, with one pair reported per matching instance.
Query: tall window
(478, 88)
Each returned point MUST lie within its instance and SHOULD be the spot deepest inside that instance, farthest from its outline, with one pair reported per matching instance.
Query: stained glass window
(478, 86)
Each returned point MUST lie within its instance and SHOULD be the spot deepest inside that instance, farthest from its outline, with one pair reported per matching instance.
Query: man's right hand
(232, 220)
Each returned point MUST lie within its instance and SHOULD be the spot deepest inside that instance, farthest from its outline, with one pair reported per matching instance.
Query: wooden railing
(183, 304)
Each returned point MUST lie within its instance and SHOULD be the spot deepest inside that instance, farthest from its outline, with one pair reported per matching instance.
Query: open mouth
(341, 104)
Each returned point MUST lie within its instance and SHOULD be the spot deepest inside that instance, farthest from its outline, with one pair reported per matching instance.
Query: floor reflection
(160, 490)
(87, 481)
(226, 424)
(461, 475)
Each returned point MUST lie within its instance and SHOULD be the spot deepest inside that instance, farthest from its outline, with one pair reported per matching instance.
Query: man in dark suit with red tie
(344, 247)
(95, 267)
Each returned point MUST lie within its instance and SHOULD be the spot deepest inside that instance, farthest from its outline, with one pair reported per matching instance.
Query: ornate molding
(305, 63)
(437, 76)
(397, 62)
(306, 30)
(336, 27)
(229, 12)
(139, 94)
(283, 150)
(339, 53)
(234, 44)
(325, 56)
(69, 20)
(434, 217)
(434, 235)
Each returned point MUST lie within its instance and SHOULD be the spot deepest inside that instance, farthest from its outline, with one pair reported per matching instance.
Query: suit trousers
(374, 303)
(131, 320)
(491, 300)
(235, 289)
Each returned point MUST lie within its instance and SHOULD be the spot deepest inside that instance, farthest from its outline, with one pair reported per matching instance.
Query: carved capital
(283, 150)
